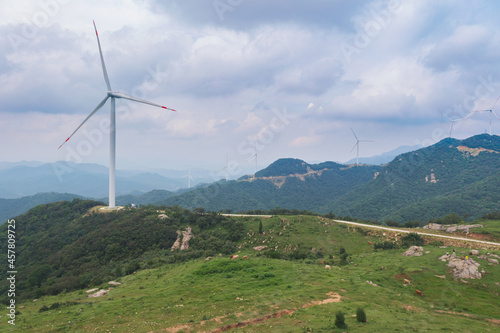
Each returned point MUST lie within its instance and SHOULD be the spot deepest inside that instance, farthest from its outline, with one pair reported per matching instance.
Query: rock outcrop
(451, 227)
(414, 251)
(183, 238)
(462, 268)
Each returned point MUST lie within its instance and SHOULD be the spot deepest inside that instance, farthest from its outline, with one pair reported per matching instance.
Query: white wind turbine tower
(255, 173)
(188, 176)
(112, 95)
(490, 111)
(357, 146)
(227, 167)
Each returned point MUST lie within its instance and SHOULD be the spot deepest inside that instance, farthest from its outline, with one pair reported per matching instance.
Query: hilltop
(286, 183)
(279, 280)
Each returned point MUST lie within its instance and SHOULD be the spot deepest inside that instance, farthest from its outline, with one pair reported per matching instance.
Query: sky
(277, 78)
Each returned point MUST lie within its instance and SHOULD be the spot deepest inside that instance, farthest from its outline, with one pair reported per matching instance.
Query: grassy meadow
(263, 294)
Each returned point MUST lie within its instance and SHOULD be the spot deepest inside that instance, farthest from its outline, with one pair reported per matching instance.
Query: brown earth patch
(494, 321)
(410, 308)
(481, 236)
(333, 298)
(402, 277)
(474, 151)
(178, 328)
(455, 313)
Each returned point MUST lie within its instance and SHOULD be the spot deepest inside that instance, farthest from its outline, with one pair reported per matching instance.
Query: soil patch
(333, 298)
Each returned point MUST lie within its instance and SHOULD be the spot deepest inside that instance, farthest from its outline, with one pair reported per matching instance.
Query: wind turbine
(255, 173)
(490, 111)
(189, 178)
(227, 167)
(357, 146)
(452, 122)
(112, 95)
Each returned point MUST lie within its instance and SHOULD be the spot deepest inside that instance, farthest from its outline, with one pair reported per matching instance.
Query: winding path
(417, 232)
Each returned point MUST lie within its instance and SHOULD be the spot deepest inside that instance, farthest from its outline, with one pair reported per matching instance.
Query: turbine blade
(357, 143)
(90, 115)
(102, 60)
(495, 114)
(495, 103)
(354, 134)
(125, 96)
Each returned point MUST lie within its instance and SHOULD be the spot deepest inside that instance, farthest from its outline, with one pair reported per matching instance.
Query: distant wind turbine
(452, 122)
(490, 111)
(254, 156)
(227, 167)
(189, 178)
(112, 95)
(357, 146)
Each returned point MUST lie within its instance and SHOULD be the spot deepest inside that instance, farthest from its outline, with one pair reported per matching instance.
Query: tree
(452, 218)
(412, 239)
(260, 227)
(361, 315)
(343, 256)
(340, 320)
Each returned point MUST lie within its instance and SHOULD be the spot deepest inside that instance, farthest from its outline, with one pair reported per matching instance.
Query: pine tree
(361, 315)
(340, 320)
(260, 228)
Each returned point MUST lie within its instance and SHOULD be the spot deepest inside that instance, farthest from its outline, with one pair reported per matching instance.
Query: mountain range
(451, 176)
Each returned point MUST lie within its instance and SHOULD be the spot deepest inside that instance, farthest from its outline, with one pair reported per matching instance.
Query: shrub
(391, 223)
(343, 256)
(492, 216)
(132, 267)
(412, 239)
(452, 218)
(361, 315)
(340, 320)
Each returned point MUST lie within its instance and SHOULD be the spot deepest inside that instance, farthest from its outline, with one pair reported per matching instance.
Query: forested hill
(69, 245)
(287, 183)
(461, 176)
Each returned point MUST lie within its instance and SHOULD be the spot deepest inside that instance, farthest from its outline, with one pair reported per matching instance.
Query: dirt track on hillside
(333, 298)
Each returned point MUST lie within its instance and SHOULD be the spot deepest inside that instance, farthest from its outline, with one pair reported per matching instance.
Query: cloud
(225, 69)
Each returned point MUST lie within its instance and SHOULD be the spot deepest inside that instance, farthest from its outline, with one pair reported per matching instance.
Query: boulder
(474, 252)
(433, 226)
(100, 293)
(464, 269)
(414, 251)
(493, 261)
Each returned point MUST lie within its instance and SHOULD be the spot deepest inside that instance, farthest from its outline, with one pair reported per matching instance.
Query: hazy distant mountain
(89, 180)
(10, 208)
(385, 157)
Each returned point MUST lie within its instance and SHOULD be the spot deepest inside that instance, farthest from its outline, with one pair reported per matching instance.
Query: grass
(204, 295)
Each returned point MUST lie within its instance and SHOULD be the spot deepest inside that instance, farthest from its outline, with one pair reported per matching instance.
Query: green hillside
(451, 176)
(278, 283)
(287, 183)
